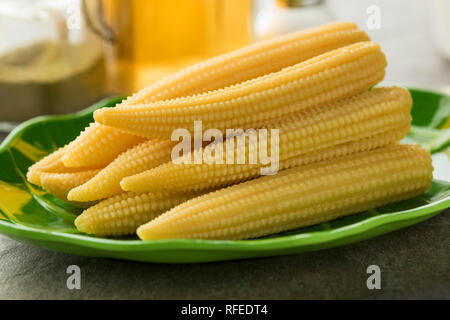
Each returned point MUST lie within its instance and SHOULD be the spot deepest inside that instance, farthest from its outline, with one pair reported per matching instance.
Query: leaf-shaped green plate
(31, 215)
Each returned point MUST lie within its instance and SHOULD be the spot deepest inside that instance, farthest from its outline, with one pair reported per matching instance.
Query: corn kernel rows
(123, 213)
(323, 79)
(96, 146)
(218, 72)
(147, 155)
(59, 184)
(297, 197)
(52, 163)
(250, 62)
(382, 110)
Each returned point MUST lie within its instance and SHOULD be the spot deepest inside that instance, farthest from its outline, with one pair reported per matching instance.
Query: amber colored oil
(154, 38)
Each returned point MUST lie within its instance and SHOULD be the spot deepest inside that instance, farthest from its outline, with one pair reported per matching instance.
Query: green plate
(31, 215)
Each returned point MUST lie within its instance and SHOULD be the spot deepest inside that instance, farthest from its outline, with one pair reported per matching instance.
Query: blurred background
(59, 56)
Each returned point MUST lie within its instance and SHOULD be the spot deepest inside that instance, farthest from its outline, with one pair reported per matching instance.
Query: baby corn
(123, 213)
(52, 164)
(323, 79)
(299, 197)
(366, 121)
(147, 155)
(252, 61)
(246, 63)
(34, 172)
(98, 147)
(59, 184)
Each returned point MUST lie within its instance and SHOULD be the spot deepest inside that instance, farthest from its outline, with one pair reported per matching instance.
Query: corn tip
(68, 161)
(125, 184)
(80, 224)
(72, 195)
(34, 177)
(99, 115)
(140, 232)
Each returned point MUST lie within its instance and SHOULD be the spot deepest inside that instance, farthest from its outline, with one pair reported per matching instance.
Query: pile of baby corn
(338, 144)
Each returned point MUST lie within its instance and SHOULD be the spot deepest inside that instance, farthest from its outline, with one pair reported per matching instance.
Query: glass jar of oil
(48, 55)
(153, 38)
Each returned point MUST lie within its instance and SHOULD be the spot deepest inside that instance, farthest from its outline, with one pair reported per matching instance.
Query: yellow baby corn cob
(252, 61)
(52, 164)
(96, 146)
(234, 67)
(389, 137)
(34, 172)
(323, 79)
(362, 122)
(147, 155)
(59, 184)
(59, 167)
(299, 197)
(123, 213)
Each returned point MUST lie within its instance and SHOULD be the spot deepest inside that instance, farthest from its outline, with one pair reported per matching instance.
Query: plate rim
(276, 243)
